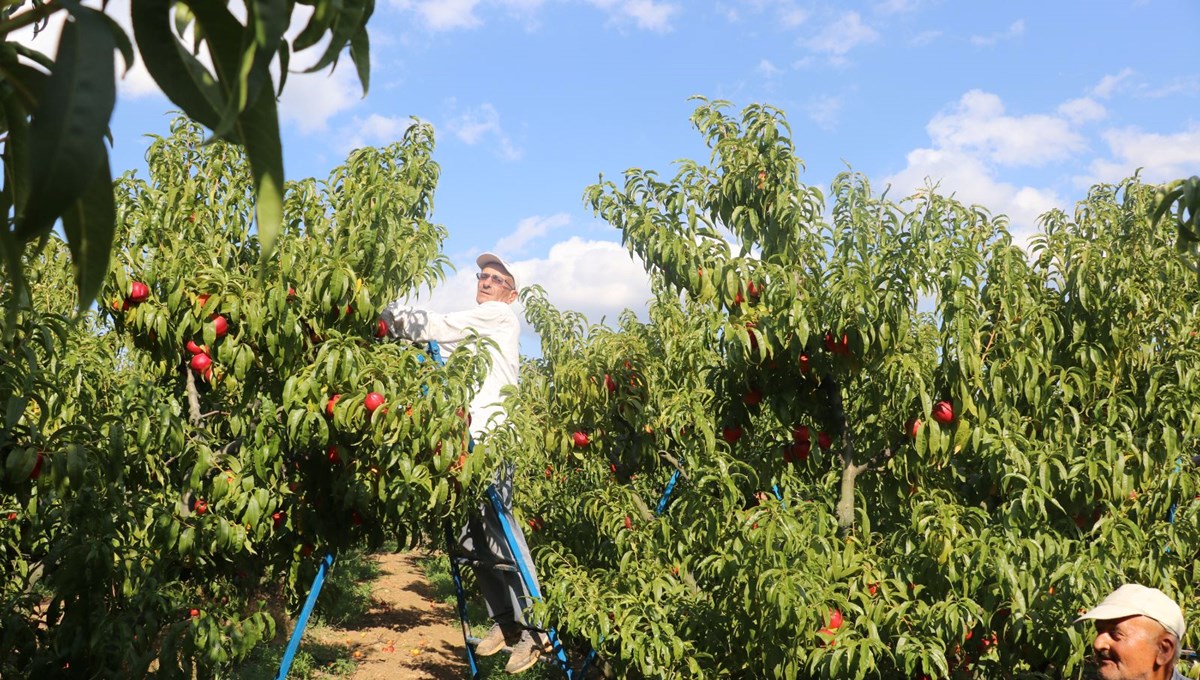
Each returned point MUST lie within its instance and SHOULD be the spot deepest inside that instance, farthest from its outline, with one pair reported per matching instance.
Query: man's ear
(511, 297)
(1165, 649)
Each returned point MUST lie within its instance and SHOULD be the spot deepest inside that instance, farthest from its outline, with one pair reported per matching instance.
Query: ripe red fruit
(306, 550)
(835, 620)
(381, 328)
(220, 325)
(872, 588)
(824, 440)
(628, 523)
(913, 427)
(753, 289)
(732, 434)
(753, 338)
(291, 293)
(580, 439)
(194, 613)
(830, 342)
(373, 401)
(549, 472)
(329, 404)
(738, 299)
(943, 412)
(12, 516)
(193, 348)
(801, 450)
(535, 524)
(277, 518)
(37, 467)
(804, 364)
(609, 383)
(752, 398)
(138, 292)
(800, 433)
(202, 299)
(355, 518)
(332, 454)
(200, 362)
(201, 507)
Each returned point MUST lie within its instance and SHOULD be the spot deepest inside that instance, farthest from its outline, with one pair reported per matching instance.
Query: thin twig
(193, 400)
(28, 18)
(675, 464)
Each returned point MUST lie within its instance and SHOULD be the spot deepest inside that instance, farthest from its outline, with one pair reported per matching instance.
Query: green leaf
(89, 224)
(258, 129)
(185, 81)
(348, 22)
(70, 122)
(360, 54)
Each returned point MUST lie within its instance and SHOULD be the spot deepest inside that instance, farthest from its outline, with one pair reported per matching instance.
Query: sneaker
(498, 637)
(524, 655)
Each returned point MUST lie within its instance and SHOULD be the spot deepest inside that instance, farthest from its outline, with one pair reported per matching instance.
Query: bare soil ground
(407, 633)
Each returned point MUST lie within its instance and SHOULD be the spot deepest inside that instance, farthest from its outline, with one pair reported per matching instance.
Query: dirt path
(407, 633)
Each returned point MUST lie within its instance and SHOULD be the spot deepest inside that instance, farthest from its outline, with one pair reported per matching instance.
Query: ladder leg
(527, 577)
(462, 603)
(294, 644)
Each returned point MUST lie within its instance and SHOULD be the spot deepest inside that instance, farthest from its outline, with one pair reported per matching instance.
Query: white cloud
(972, 181)
(978, 124)
(1161, 156)
(596, 278)
(896, 6)
(474, 125)
(133, 84)
(1188, 85)
(824, 111)
(599, 279)
(792, 17)
(788, 14)
(443, 15)
(925, 38)
(1015, 30)
(374, 130)
(1108, 84)
(529, 229)
(649, 15)
(844, 34)
(1083, 110)
(767, 69)
(310, 99)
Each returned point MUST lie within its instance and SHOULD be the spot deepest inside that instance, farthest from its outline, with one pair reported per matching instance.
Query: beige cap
(1132, 599)
(492, 258)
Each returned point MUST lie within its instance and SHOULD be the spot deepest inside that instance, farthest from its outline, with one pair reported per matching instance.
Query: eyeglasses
(495, 279)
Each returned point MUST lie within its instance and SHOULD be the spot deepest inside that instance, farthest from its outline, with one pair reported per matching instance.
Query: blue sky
(1018, 106)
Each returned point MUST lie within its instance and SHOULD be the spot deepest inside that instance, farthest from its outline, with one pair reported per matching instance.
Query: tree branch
(675, 464)
(193, 397)
(29, 18)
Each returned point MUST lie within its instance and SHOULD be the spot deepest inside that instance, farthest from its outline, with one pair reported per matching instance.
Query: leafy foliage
(55, 110)
(826, 524)
(163, 513)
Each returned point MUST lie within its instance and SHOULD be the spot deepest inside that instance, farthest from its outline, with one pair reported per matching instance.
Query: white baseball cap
(492, 258)
(1132, 599)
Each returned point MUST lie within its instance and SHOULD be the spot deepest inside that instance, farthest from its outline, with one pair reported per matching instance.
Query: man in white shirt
(1139, 634)
(493, 318)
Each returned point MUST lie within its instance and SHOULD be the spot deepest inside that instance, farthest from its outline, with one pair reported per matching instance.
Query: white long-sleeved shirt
(492, 319)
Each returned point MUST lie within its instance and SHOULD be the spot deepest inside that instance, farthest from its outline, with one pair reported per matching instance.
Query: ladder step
(497, 565)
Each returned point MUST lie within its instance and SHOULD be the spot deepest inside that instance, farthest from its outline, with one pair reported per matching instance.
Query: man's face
(1131, 648)
(488, 288)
